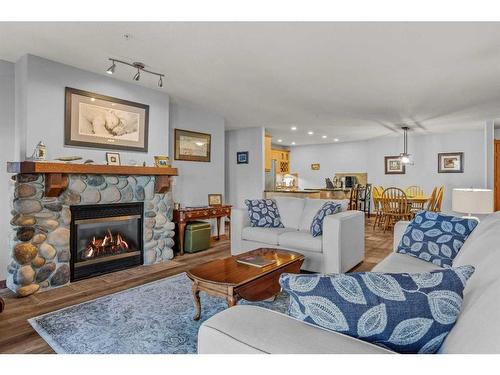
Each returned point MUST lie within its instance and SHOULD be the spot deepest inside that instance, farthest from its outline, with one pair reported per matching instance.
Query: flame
(108, 245)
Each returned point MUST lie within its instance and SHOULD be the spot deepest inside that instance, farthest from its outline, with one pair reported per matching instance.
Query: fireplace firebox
(105, 238)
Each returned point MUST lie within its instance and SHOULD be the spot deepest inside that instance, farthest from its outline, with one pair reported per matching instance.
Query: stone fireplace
(97, 223)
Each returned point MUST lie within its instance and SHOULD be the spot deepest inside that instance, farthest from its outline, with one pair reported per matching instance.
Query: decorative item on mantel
(69, 159)
(42, 195)
(39, 153)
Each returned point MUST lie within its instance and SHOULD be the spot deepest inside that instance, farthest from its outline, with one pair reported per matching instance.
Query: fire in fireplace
(105, 238)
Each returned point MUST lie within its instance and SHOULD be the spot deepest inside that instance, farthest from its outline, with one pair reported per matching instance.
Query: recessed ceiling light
(280, 140)
(293, 128)
(293, 143)
(310, 132)
(335, 139)
(323, 136)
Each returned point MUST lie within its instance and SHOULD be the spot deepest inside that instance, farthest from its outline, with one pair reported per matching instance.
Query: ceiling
(349, 81)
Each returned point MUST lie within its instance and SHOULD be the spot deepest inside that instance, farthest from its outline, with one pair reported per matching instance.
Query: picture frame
(393, 165)
(192, 146)
(315, 166)
(100, 121)
(215, 199)
(113, 158)
(242, 157)
(162, 161)
(451, 162)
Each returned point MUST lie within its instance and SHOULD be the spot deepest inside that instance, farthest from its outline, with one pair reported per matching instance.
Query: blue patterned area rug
(148, 319)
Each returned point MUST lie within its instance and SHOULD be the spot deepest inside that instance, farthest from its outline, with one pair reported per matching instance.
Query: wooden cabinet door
(497, 175)
(267, 153)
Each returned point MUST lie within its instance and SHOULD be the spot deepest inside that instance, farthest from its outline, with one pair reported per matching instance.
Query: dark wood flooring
(17, 335)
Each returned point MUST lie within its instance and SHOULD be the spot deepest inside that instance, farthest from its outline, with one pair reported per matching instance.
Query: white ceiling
(349, 81)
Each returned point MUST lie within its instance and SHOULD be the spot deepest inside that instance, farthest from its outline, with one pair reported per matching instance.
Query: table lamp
(472, 201)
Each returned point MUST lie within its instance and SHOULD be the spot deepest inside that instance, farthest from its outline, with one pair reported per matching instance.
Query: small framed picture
(162, 161)
(393, 165)
(214, 199)
(315, 166)
(451, 162)
(113, 158)
(242, 157)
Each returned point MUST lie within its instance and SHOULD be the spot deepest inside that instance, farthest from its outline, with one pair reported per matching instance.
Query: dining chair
(432, 200)
(365, 198)
(395, 206)
(353, 201)
(415, 191)
(439, 200)
(377, 206)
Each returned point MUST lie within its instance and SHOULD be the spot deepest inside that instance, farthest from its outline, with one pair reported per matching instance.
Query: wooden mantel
(56, 179)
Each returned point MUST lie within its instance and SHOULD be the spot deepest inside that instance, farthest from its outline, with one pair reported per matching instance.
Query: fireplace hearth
(105, 238)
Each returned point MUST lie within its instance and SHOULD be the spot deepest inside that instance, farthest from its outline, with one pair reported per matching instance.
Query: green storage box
(197, 236)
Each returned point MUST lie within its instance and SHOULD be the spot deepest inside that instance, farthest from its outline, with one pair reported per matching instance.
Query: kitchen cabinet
(267, 153)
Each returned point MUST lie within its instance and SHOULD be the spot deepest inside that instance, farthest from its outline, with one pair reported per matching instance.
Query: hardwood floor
(17, 336)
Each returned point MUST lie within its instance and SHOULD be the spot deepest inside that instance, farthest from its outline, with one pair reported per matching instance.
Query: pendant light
(405, 156)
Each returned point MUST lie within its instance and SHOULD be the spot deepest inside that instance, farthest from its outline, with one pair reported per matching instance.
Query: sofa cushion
(290, 211)
(398, 263)
(328, 208)
(435, 237)
(301, 240)
(311, 207)
(408, 313)
(263, 213)
(264, 235)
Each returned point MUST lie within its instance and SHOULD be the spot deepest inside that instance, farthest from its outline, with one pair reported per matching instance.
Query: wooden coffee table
(233, 281)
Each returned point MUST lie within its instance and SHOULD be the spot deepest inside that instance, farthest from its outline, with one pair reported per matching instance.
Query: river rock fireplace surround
(74, 221)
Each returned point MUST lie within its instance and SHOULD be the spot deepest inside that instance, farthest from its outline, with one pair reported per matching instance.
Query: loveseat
(338, 249)
(250, 329)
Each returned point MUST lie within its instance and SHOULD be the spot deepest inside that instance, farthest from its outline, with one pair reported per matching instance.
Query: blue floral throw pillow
(407, 313)
(436, 237)
(329, 208)
(264, 213)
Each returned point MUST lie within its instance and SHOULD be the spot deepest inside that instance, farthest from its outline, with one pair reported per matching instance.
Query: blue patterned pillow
(264, 213)
(329, 208)
(436, 237)
(407, 313)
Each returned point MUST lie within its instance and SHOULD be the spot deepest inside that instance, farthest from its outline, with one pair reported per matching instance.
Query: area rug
(149, 319)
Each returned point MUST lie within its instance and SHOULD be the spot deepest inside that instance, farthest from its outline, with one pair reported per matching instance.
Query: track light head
(137, 75)
(160, 82)
(112, 68)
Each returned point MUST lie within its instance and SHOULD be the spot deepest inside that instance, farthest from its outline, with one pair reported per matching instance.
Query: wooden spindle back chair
(432, 200)
(395, 206)
(439, 200)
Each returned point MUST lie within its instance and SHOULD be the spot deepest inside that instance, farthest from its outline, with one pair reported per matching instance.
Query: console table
(184, 215)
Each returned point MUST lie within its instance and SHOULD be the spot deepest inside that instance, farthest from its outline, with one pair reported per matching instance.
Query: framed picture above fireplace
(99, 121)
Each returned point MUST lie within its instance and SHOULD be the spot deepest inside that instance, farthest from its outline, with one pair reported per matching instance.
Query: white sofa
(250, 329)
(339, 249)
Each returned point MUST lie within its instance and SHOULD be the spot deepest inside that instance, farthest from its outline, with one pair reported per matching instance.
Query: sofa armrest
(343, 241)
(239, 220)
(399, 230)
(250, 329)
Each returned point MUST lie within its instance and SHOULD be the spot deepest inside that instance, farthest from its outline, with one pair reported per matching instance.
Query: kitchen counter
(292, 193)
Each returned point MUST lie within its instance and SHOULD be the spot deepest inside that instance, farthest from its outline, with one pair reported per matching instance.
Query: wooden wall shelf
(56, 179)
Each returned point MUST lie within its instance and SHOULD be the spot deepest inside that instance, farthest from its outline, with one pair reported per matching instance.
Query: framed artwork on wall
(192, 146)
(393, 165)
(242, 157)
(315, 166)
(99, 121)
(451, 162)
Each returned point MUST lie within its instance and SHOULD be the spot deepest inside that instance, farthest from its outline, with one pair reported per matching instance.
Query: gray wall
(41, 108)
(368, 156)
(198, 179)
(244, 181)
(7, 119)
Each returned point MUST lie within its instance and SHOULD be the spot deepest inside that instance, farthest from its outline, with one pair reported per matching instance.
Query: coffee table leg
(197, 304)
(231, 301)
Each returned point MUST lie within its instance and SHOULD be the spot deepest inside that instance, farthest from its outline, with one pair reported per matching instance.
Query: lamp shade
(472, 201)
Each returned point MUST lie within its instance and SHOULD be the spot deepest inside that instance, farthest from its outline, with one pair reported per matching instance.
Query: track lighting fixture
(112, 68)
(137, 75)
(140, 69)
